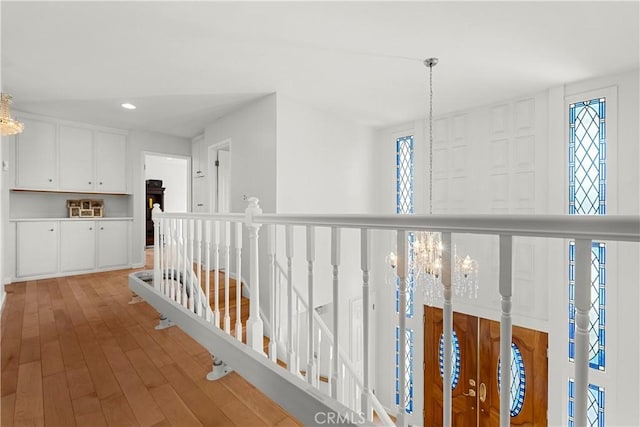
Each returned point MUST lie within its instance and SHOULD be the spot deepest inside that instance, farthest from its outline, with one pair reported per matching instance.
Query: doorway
(475, 398)
(220, 167)
(167, 182)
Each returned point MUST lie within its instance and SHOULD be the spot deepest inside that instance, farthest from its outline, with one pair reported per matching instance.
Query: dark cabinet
(155, 194)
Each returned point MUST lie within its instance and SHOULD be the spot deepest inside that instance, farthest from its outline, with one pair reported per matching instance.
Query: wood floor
(75, 353)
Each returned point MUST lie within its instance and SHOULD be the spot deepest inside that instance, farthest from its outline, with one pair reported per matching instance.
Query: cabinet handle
(200, 204)
(100, 183)
(101, 228)
(51, 229)
(90, 228)
(50, 180)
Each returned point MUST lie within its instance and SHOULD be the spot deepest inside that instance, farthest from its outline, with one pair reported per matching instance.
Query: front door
(475, 389)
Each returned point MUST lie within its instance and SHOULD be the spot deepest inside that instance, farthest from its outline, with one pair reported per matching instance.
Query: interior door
(475, 397)
(464, 368)
(529, 389)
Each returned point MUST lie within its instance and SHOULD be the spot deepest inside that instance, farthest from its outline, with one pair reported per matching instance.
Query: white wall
(175, 174)
(252, 135)
(510, 157)
(324, 165)
(252, 131)
(139, 143)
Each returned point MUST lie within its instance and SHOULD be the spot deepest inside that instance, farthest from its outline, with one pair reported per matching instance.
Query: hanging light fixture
(8, 126)
(428, 245)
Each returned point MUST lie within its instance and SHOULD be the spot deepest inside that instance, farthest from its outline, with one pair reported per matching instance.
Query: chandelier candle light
(427, 246)
(8, 126)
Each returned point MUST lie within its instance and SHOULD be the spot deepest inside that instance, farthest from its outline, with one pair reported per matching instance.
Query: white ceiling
(186, 63)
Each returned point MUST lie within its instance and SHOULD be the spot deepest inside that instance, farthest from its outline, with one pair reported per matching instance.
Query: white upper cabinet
(111, 164)
(36, 156)
(76, 159)
(198, 157)
(64, 157)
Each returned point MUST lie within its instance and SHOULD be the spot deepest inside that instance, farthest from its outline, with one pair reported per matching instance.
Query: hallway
(74, 352)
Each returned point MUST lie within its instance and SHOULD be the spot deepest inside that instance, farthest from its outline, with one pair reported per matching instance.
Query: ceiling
(184, 64)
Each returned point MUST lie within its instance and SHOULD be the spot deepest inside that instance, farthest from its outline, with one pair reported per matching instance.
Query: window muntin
(587, 157)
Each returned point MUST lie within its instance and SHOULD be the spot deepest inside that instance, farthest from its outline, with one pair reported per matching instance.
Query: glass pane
(595, 405)
(518, 380)
(409, 369)
(587, 154)
(455, 358)
(597, 311)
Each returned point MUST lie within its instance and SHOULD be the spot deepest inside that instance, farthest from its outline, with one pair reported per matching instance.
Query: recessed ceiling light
(128, 106)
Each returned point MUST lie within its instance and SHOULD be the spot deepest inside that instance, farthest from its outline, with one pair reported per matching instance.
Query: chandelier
(425, 264)
(8, 126)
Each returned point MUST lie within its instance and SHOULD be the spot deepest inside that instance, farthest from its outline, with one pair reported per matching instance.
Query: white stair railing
(353, 394)
(305, 341)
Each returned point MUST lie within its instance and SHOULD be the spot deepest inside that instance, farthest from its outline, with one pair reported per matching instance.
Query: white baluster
(207, 277)
(188, 268)
(183, 245)
(278, 313)
(271, 253)
(505, 286)
(335, 262)
(254, 324)
(227, 272)
(238, 280)
(297, 332)
(177, 225)
(319, 360)
(401, 269)
(583, 306)
(365, 265)
(157, 273)
(161, 254)
(174, 233)
(447, 326)
(311, 254)
(342, 395)
(216, 277)
(330, 377)
(290, 319)
(198, 288)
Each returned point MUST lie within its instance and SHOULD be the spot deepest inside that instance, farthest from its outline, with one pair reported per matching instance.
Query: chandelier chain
(430, 139)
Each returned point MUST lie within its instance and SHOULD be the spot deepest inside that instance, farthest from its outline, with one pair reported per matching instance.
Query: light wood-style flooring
(75, 353)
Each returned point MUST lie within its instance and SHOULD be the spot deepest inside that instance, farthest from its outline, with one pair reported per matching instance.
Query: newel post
(254, 323)
(157, 274)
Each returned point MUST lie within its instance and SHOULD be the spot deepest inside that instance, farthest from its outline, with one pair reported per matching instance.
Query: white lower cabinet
(77, 245)
(37, 248)
(63, 247)
(113, 243)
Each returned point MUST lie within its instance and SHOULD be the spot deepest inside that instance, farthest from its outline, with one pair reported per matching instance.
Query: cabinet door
(200, 198)
(198, 161)
(113, 243)
(77, 245)
(76, 159)
(37, 248)
(111, 154)
(36, 156)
